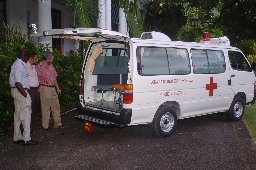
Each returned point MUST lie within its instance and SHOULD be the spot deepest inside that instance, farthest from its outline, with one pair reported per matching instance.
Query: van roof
(153, 38)
(180, 44)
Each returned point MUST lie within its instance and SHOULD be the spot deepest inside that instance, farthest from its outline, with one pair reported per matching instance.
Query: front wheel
(164, 122)
(236, 110)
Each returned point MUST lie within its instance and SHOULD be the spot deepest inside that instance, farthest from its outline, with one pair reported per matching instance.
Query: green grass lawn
(250, 120)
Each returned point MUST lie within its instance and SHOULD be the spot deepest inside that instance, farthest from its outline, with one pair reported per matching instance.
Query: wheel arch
(172, 104)
(241, 95)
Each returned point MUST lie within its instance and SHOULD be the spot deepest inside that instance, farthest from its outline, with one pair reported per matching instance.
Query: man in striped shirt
(49, 91)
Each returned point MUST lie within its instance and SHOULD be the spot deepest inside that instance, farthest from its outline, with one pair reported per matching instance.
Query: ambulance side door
(210, 89)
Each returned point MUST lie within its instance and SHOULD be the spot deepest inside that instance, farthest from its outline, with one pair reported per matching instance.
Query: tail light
(128, 98)
(128, 92)
(80, 87)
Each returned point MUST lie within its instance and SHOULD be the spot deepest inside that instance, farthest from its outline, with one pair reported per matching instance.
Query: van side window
(200, 62)
(162, 61)
(153, 61)
(216, 61)
(178, 61)
(208, 61)
(238, 62)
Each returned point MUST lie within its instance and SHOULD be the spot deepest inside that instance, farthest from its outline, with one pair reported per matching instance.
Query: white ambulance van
(153, 80)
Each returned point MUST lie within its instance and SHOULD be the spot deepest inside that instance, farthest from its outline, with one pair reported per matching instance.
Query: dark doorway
(56, 24)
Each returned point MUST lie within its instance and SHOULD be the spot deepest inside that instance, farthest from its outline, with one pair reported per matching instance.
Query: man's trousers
(49, 103)
(34, 94)
(22, 115)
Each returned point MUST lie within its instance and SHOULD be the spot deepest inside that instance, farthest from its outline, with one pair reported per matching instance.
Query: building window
(56, 24)
(2, 15)
(114, 16)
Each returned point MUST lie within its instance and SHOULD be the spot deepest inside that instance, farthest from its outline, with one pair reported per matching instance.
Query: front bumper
(105, 118)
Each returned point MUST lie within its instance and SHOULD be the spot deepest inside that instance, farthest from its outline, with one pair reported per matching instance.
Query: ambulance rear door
(107, 48)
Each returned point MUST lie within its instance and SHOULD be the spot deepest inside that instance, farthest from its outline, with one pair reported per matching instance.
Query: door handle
(229, 81)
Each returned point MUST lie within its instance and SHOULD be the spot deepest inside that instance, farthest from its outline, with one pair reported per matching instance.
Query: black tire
(164, 122)
(236, 110)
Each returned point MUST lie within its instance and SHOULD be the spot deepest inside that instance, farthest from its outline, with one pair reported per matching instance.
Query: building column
(122, 28)
(102, 14)
(108, 15)
(44, 20)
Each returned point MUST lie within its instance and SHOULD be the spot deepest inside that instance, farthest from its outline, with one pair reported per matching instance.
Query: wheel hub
(238, 109)
(167, 122)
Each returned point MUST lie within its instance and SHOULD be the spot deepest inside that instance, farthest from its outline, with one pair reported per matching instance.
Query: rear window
(111, 61)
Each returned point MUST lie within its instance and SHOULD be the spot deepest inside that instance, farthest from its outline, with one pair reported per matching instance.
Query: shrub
(68, 69)
(252, 56)
(13, 39)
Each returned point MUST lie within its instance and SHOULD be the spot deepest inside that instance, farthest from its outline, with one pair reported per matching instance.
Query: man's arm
(21, 89)
(57, 88)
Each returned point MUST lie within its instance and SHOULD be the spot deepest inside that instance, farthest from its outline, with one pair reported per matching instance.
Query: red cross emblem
(211, 86)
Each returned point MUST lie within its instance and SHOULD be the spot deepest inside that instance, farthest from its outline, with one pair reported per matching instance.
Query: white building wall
(108, 15)
(17, 13)
(45, 20)
(122, 28)
(24, 12)
(102, 14)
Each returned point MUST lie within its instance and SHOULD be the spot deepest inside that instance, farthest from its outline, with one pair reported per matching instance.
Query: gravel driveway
(206, 142)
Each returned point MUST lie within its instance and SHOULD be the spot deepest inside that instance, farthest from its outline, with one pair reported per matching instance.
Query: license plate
(88, 126)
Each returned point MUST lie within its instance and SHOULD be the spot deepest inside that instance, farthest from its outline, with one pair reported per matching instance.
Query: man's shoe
(18, 142)
(30, 142)
(46, 129)
(58, 126)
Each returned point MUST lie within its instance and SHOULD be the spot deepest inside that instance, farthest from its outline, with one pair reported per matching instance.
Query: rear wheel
(236, 110)
(164, 122)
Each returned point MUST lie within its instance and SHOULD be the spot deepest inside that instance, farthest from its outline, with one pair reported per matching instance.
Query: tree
(164, 16)
(238, 19)
(84, 12)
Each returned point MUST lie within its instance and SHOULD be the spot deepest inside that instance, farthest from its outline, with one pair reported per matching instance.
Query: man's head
(23, 55)
(33, 57)
(48, 57)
